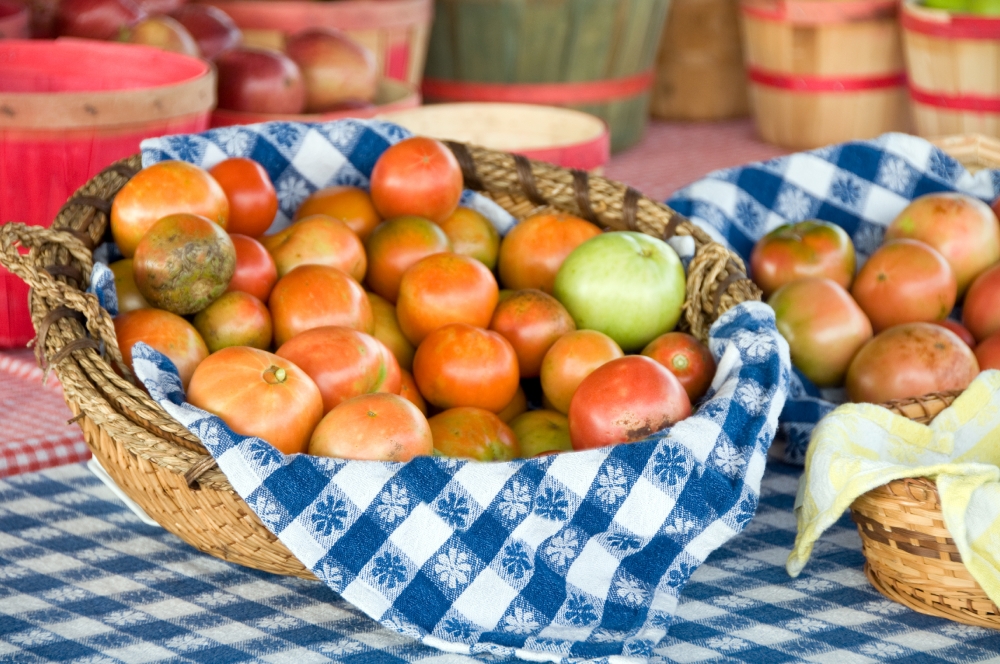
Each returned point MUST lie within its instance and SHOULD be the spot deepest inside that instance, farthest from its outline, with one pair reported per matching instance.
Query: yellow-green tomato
(541, 432)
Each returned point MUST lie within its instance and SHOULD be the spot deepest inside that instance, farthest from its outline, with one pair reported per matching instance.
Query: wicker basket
(162, 466)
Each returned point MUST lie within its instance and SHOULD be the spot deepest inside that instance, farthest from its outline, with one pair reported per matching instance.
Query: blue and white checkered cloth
(562, 558)
(861, 186)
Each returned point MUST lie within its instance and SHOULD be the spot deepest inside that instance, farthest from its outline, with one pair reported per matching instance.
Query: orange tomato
(235, 319)
(571, 359)
(472, 234)
(252, 199)
(129, 297)
(169, 187)
(259, 394)
(387, 331)
(417, 176)
(351, 205)
(443, 289)
(395, 245)
(163, 331)
(408, 390)
(375, 427)
(517, 405)
(317, 240)
(255, 272)
(461, 365)
(988, 353)
(473, 433)
(685, 357)
(533, 251)
(531, 321)
(316, 296)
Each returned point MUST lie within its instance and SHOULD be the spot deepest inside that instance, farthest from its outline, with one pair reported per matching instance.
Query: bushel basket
(575, 555)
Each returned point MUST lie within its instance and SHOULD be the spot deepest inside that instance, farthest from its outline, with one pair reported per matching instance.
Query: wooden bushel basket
(824, 72)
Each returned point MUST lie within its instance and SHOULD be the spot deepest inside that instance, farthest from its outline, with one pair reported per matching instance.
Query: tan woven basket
(164, 468)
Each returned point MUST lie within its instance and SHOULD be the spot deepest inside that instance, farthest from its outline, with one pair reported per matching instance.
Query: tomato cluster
(884, 332)
(375, 327)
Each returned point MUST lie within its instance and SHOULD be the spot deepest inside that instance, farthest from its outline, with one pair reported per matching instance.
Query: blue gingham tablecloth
(83, 580)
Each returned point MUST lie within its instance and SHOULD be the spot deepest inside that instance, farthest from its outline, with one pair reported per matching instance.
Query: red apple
(163, 32)
(336, 68)
(96, 19)
(212, 29)
(259, 81)
(160, 7)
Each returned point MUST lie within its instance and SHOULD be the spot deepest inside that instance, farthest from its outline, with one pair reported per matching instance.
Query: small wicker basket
(162, 466)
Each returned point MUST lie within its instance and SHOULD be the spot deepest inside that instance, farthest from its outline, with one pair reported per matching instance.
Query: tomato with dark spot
(624, 401)
(473, 433)
(685, 357)
(374, 427)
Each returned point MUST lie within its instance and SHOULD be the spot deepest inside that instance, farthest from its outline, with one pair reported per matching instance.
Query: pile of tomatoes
(374, 326)
(884, 331)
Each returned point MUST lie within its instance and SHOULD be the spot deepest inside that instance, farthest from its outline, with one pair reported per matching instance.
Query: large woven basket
(162, 466)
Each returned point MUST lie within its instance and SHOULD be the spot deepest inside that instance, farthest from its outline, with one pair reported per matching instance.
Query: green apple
(983, 7)
(630, 286)
(957, 6)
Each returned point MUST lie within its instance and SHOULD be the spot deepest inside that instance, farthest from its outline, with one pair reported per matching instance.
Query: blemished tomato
(417, 176)
(534, 250)
(163, 331)
(981, 309)
(541, 432)
(351, 205)
(396, 245)
(317, 296)
(462, 365)
(685, 357)
(255, 272)
(259, 394)
(797, 251)
(252, 199)
(344, 363)
(408, 390)
(129, 297)
(317, 240)
(624, 401)
(235, 319)
(531, 321)
(962, 228)
(823, 325)
(960, 331)
(905, 281)
(988, 353)
(910, 360)
(183, 263)
(517, 405)
(444, 289)
(473, 433)
(572, 358)
(471, 234)
(169, 187)
(387, 331)
(375, 427)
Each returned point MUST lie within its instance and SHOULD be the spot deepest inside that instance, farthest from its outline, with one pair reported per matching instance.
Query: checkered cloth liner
(861, 186)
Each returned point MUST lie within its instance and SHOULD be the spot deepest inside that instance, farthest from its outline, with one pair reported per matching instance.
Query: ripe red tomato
(317, 240)
(235, 319)
(169, 187)
(823, 326)
(129, 297)
(624, 401)
(255, 272)
(685, 357)
(461, 365)
(444, 289)
(910, 360)
(351, 205)
(960, 331)
(472, 234)
(541, 432)
(408, 390)
(396, 245)
(418, 176)
(165, 332)
(533, 250)
(473, 433)
(798, 251)
(531, 321)
(905, 281)
(981, 309)
(316, 296)
(344, 363)
(252, 199)
(572, 358)
(258, 394)
(988, 353)
(376, 427)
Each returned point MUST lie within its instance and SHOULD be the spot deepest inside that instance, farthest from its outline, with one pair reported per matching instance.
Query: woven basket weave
(164, 468)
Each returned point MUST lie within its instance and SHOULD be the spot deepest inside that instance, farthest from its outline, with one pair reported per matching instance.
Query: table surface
(82, 579)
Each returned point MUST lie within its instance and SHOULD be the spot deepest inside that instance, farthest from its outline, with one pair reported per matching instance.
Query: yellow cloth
(859, 447)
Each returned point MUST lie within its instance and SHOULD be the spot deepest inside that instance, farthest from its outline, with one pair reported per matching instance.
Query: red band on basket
(818, 12)
(953, 26)
(956, 102)
(798, 83)
(555, 94)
